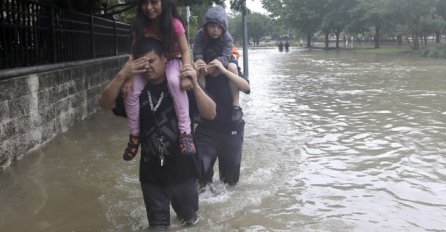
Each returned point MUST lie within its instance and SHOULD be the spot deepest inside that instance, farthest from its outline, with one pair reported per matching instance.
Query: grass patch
(435, 51)
(432, 51)
(389, 51)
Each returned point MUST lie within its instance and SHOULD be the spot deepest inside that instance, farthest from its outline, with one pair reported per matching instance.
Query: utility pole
(245, 41)
(188, 23)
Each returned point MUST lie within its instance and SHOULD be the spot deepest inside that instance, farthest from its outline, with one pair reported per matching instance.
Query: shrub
(436, 51)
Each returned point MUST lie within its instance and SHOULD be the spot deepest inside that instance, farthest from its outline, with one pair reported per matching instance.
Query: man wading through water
(220, 138)
(166, 176)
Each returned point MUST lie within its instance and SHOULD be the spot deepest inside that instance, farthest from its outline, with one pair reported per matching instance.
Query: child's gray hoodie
(221, 47)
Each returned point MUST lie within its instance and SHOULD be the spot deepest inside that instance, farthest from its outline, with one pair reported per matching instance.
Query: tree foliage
(413, 19)
(239, 6)
(335, 19)
(115, 7)
(419, 21)
(259, 25)
(304, 15)
(85, 6)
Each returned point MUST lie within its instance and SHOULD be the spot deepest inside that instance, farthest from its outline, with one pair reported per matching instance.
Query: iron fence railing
(34, 34)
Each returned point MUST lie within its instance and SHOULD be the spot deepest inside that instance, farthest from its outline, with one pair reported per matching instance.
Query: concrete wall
(40, 102)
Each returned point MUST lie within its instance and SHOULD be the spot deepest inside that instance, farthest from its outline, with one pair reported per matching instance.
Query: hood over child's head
(218, 16)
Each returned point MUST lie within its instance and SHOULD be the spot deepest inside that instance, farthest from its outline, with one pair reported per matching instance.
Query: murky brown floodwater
(334, 142)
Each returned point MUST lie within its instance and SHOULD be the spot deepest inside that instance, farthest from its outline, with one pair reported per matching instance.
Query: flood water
(335, 141)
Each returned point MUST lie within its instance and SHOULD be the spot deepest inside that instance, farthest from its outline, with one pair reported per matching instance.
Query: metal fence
(33, 34)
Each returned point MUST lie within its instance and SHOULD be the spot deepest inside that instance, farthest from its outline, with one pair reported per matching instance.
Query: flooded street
(334, 141)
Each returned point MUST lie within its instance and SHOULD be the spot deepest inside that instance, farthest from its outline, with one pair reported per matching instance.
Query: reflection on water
(334, 142)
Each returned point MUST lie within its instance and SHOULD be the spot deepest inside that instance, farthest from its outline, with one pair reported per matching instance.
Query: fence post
(115, 36)
(52, 36)
(93, 45)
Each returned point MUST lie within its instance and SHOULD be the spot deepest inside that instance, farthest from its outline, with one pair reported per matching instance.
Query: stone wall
(40, 102)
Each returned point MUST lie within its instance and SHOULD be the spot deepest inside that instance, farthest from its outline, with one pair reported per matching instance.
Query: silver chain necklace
(154, 109)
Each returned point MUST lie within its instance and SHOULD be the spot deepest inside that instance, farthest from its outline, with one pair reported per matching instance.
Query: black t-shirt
(176, 167)
(217, 87)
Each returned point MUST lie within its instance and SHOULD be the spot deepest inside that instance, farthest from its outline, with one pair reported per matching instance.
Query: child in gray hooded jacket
(214, 40)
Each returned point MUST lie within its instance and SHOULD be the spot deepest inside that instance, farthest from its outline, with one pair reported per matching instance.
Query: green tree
(335, 19)
(259, 25)
(418, 20)
(377, 14)
(441, 24)
(115, 7)
(236, 27)
(85, 6)
(239, 6)
(302, 15)
(198, 11)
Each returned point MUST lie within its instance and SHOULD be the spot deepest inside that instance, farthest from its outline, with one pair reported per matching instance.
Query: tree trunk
(337, 39)
(308, 40)
(407, 41)
(377, 35)
(415, 42)
(327, 41)
(437, 37)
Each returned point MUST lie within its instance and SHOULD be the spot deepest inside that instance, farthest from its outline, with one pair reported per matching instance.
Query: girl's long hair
(167, 32)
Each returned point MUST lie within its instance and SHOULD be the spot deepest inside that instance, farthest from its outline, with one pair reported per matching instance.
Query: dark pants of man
(183, 197)
(224, 145)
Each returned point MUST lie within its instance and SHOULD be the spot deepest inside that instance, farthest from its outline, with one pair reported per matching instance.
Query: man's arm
(241, 83)
(205, 105)
(111, 91)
